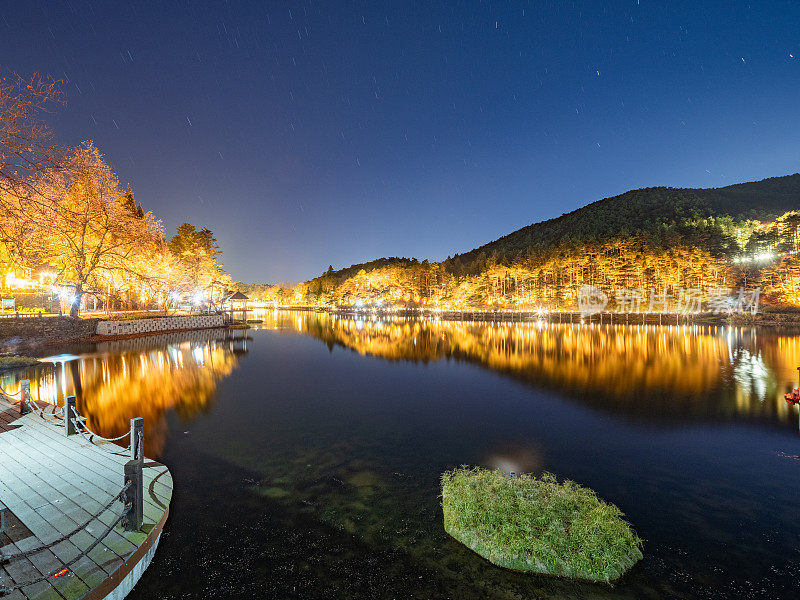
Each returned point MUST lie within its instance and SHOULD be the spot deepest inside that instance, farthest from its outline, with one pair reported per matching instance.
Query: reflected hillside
(659, 373)
(142, 377)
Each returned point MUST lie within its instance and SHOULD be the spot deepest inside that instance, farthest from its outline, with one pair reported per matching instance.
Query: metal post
(70, 415)
(24, 396)
(137, 439)
(134, 495)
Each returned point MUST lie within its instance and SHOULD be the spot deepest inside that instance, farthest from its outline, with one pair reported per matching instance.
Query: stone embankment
(44, 330)
(24, 333)
(159, 325)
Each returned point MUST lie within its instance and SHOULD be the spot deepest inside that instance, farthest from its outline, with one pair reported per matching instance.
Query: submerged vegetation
(537, 524)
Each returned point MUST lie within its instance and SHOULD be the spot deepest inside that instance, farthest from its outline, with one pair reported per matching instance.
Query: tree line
(698, 253)
(63, 212)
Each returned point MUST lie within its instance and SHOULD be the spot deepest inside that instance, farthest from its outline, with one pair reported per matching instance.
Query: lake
(306, 451)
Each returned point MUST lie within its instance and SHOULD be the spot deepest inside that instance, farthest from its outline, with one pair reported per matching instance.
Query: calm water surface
(306, 452)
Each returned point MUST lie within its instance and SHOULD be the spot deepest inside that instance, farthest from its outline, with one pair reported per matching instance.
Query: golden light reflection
(143, 377)
(684, 372)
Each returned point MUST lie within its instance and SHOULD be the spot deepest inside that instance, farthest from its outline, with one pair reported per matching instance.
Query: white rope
(80, 423)
(3, 392)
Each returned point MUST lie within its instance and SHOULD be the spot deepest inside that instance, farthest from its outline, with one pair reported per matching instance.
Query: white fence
(159, 324)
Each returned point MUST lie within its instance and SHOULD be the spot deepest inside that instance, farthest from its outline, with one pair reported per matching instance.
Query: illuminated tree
(88, 233)
(197, 253)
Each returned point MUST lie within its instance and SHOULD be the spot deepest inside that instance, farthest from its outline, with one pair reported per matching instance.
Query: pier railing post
(137, 438)
(134, 495)
(24, 396)
(70, 415)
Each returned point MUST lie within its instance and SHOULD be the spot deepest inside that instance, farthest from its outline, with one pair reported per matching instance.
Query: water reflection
(324, 470)
(659, 373)
(142, 377)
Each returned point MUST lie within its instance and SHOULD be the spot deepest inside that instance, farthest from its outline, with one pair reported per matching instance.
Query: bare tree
(27, 149)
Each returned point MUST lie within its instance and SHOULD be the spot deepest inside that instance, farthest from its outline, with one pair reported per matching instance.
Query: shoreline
(787, 318)
(94, 339)
(27, 335)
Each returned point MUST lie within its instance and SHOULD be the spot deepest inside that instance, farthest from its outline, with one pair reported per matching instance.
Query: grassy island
(534, 524)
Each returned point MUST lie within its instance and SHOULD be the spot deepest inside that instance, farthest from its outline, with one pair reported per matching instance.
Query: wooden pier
(57, 534)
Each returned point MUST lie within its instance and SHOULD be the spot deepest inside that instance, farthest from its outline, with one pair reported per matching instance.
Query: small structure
(235, 303)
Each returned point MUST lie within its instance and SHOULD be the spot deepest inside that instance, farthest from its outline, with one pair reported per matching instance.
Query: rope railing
(5, 558)
(24, 401)
(5, 394)
(53, 416)
(131, 495)
(26, 404)
(80, 425)
(76, 423)
(4, 590)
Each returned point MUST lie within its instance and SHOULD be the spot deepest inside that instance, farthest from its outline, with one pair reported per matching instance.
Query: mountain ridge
(666, 210)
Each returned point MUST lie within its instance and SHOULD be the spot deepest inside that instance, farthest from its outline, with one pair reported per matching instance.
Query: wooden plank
(54, 484)
(98, 470)
(98, 481)
(82, 515)
(101, 458)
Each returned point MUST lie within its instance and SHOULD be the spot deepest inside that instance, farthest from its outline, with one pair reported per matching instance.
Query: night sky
(313, 133)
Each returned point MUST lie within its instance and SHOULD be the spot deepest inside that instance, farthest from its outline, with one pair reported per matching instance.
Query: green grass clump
(238, 326)
(537, 524)
(16, 361)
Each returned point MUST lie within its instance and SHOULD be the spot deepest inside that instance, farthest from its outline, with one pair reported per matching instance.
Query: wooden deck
(53, 484)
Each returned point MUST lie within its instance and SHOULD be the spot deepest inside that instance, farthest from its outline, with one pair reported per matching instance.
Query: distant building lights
(761, 257)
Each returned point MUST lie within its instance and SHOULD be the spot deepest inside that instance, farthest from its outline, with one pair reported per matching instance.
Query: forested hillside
(665, 239)
(662, 217)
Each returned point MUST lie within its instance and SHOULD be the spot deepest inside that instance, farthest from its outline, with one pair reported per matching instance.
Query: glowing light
(199, 356)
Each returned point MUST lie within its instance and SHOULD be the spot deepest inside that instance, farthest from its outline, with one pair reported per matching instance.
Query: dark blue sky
(313, 133)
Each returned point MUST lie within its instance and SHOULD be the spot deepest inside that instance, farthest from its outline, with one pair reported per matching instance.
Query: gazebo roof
(235, 296)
